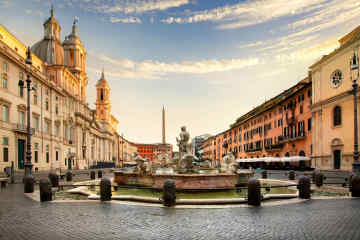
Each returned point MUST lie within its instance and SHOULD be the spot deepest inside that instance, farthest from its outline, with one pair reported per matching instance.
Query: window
(36, 156)
(337, 116)
(4, 82)
(57, 130)
(22, 118)
(5, 113)
(301, 109)
(35, 99)
(47, 154)
(47, 127)
(21, 89)
(5, 66)
(309, 124)
(57, 109)
(301, 129)
(47, 105)
(46, 91)
(6, 154)
(309, 93)
(57, 156)
(5, 141)
(36, 123)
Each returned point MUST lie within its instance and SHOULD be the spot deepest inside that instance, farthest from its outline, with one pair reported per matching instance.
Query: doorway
(21, 153)
(337, 159)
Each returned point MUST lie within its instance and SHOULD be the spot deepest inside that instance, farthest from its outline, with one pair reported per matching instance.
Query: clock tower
(103, 106)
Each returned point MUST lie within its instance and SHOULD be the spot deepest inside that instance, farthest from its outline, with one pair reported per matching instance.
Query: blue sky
(207, 61)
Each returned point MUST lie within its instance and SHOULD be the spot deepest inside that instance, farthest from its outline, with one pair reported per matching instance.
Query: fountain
(182, 171)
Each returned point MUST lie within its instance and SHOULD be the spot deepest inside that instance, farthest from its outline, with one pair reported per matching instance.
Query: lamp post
(28, 178)
(122, 150)
(354, 70)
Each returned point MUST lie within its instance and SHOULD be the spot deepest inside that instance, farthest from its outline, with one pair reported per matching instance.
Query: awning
(130, 163)
(273, 159)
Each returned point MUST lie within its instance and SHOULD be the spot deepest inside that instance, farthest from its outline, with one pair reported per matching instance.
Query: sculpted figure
(229, 164)
(183, 141)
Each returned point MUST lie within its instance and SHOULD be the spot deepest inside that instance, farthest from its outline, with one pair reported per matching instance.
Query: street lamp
(122, 150)
(354, 70)
(28, 178)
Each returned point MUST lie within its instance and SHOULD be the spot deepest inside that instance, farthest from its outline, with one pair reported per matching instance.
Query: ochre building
(333, 106)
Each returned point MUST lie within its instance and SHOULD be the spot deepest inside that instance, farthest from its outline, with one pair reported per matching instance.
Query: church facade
(66, 132)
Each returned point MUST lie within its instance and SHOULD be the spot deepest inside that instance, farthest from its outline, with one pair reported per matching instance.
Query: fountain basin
(184, 181)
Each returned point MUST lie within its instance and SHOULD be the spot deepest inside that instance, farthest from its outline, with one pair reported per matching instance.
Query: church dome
(50, 51)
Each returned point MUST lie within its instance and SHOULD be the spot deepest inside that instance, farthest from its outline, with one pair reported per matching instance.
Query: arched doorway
(302, 163)
(336, 146)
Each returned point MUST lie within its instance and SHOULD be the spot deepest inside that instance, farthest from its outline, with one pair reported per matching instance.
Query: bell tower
(75, 57)
(103, 106)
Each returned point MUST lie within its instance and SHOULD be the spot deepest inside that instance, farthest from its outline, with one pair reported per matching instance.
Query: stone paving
(22, 218)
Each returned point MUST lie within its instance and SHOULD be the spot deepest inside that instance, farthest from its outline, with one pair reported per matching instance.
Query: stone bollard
(254, 194)
(169, 193)
(99, 174)
(304, 187)
(92, 175)
(69, 176)
(45, 190)
(355, 186)
(105, 189)
(29, 182)
(313, 176)
(292, 175)
(264, 174)
(319, 179)
(54, 179)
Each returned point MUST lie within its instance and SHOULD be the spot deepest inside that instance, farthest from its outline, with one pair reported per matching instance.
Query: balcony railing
(274, 147)
(253, 150)
(298, 136)
(22, 128)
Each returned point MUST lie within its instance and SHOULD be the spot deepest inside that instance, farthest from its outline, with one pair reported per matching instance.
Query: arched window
(102, 94)
(302, 153)
(287, 154)
(337, 116)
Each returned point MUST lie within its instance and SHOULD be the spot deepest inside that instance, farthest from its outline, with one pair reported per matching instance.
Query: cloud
(140, 6)
(248, 13)
(310, 53)
(251, 44)
(150, 69)
(5, 3)
(125, 20)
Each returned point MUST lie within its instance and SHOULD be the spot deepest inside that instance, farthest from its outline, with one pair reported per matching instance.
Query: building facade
(282, 126)
(66, 133)
(127, 151)
(197, 144)
(333, 106)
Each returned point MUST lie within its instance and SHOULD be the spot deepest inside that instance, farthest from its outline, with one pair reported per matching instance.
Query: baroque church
(66, 132)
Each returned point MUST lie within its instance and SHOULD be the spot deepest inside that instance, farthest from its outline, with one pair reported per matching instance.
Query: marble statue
(163, 159)
(229, 165)
(185, 157)
(141, 166)
(184, 146)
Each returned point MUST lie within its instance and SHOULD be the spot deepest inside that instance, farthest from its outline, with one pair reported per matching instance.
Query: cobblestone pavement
(22, 218)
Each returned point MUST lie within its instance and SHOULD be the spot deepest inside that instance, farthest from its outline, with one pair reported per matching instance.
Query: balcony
(274, 147)
(296, 137)
(254, 150)
(21, 128)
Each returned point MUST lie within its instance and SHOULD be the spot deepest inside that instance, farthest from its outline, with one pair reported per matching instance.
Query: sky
(207, 61)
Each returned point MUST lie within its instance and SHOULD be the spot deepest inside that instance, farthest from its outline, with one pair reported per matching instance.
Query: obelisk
(163, 126)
